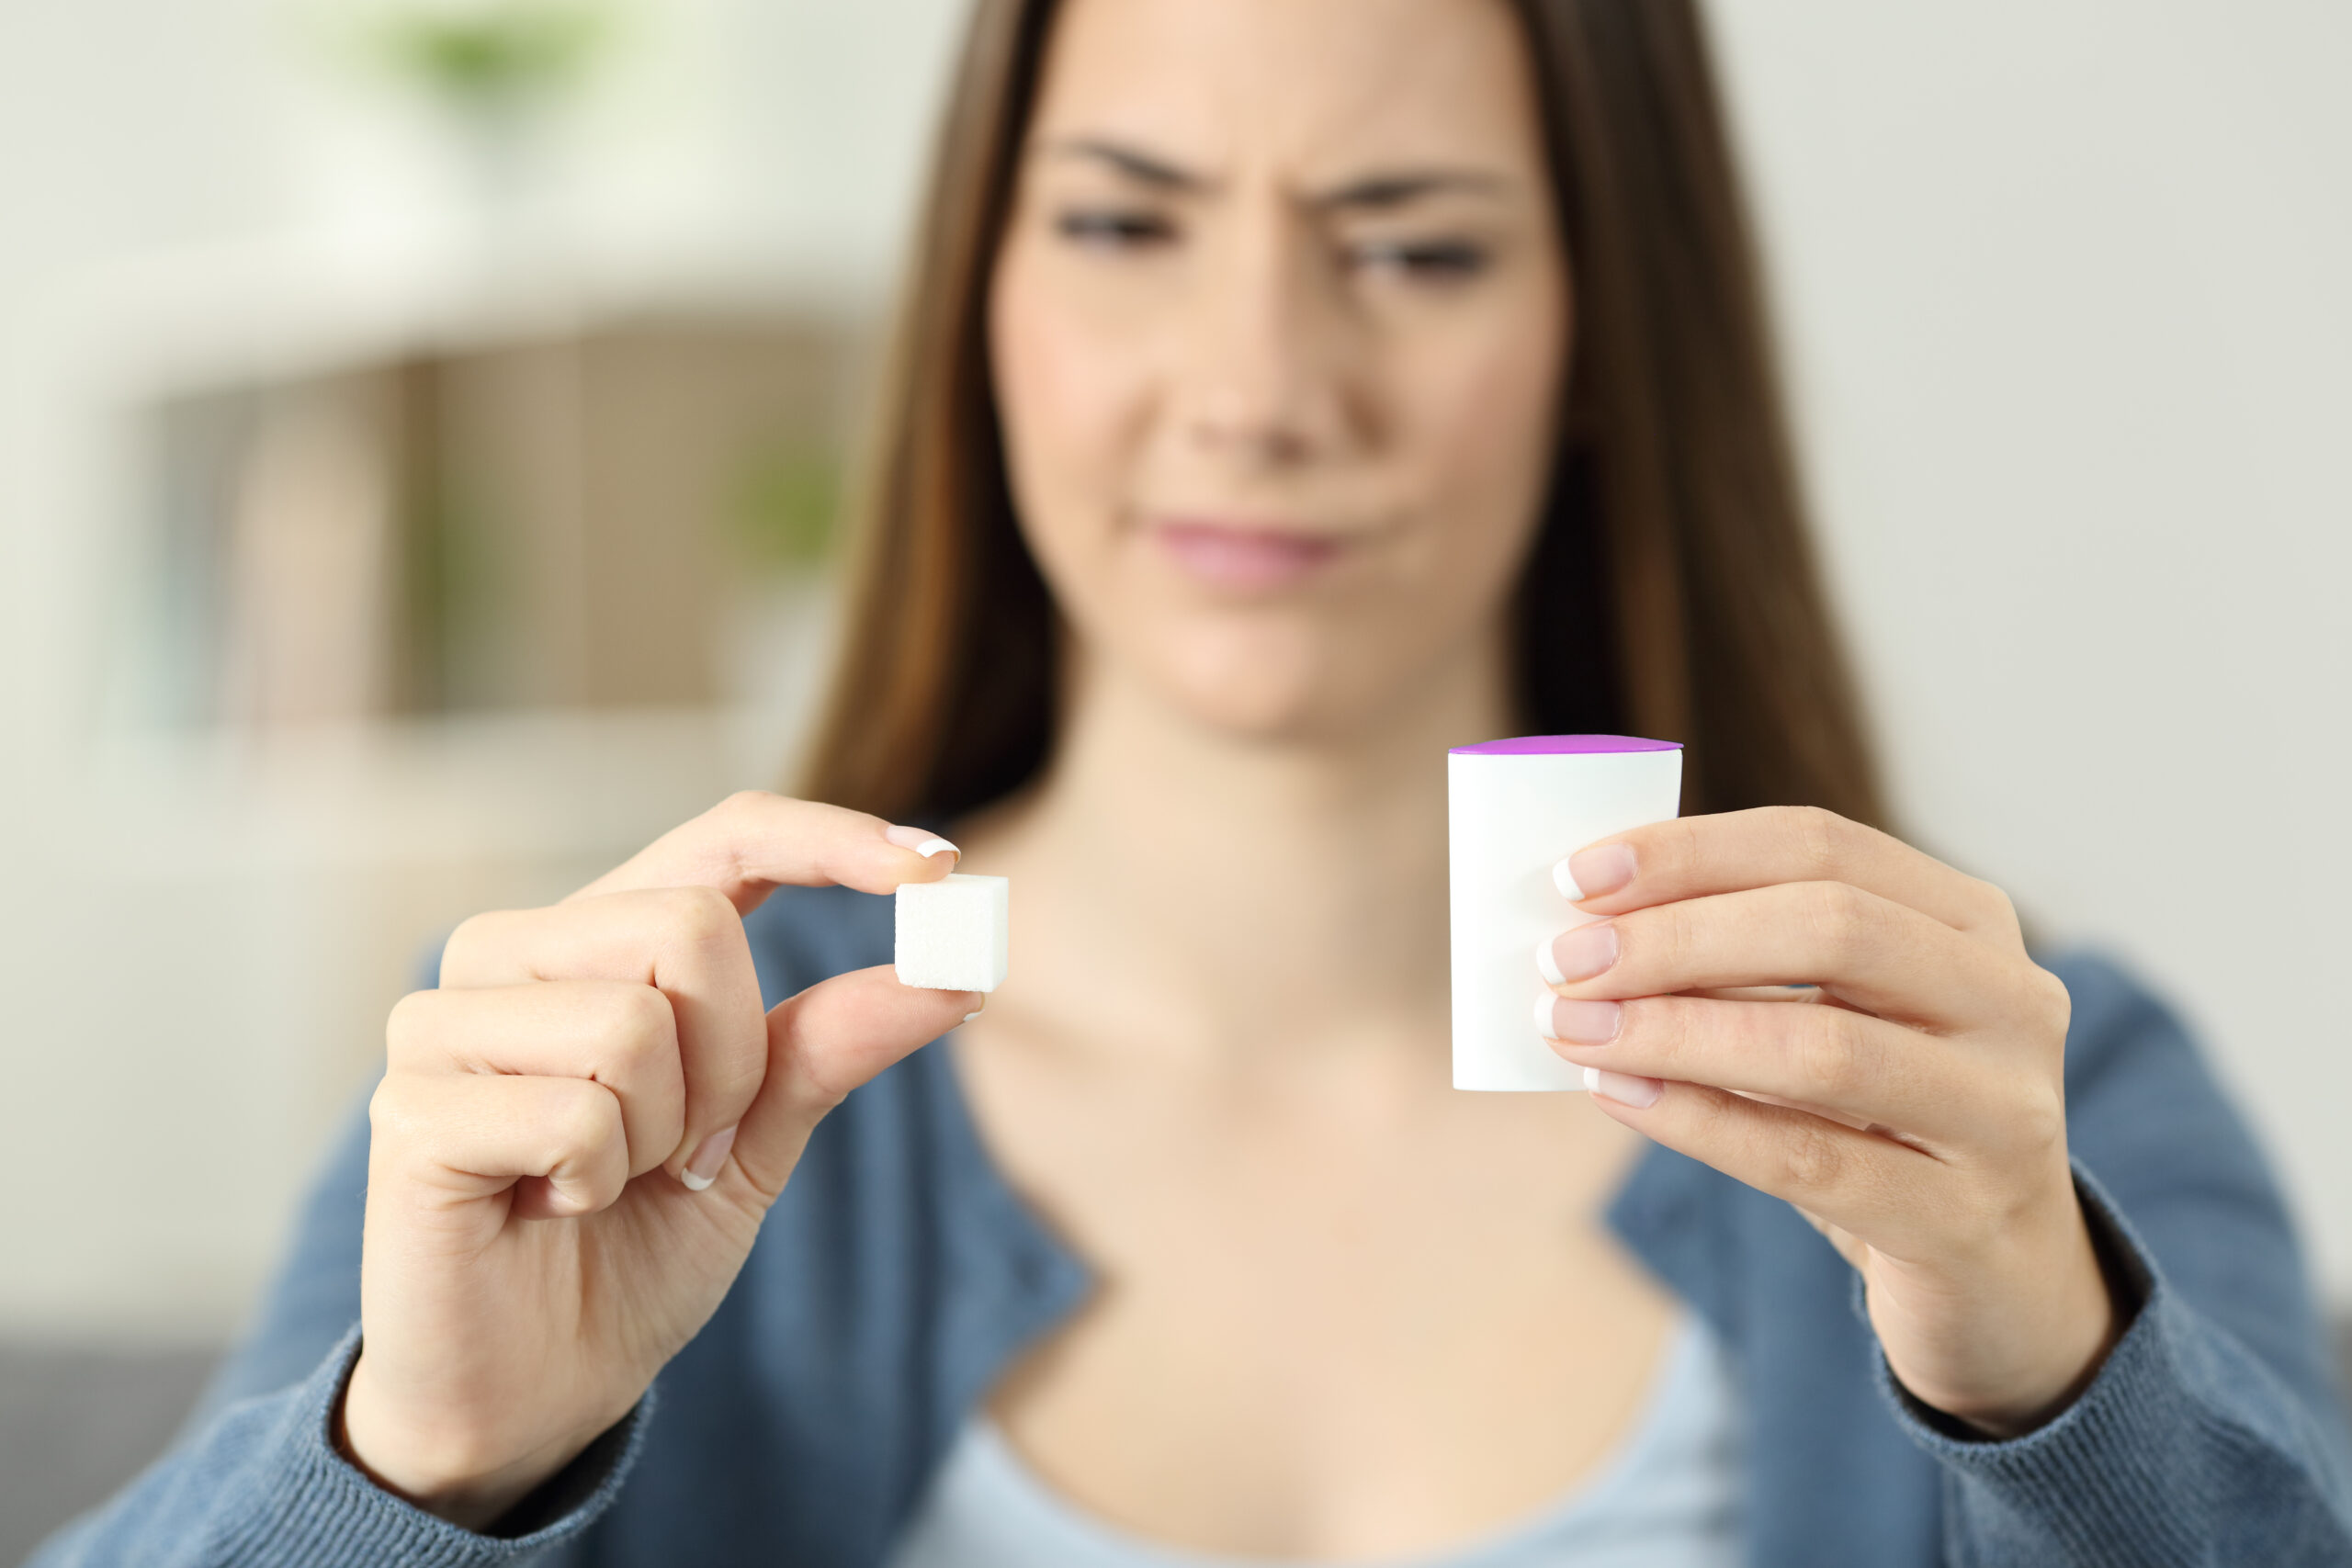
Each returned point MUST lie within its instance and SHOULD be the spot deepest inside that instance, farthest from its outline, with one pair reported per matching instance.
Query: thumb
(824, 1042)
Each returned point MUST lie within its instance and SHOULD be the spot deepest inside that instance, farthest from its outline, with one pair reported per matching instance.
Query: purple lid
(1563, 745)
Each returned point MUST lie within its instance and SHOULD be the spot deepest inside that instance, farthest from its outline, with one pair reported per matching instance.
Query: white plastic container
(1514, 809)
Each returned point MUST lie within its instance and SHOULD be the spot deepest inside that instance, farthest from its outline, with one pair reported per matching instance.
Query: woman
(1288, 393)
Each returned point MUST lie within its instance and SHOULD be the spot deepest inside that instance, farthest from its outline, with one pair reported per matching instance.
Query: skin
(1279, 328)
(532, 1256)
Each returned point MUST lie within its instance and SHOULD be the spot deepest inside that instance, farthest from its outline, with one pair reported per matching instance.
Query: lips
(1239, 557)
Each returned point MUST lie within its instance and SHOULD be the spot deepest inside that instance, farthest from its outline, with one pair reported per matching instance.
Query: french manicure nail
(921, 841)
(708, 1160)
(1591, 873)
(1578, 1023)
(1579, 954)
(969, 1016)
(1625, 1088)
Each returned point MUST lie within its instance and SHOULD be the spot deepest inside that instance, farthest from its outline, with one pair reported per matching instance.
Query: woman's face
(1278, 330)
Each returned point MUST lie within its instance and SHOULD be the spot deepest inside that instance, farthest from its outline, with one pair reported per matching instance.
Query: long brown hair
(1671, 591)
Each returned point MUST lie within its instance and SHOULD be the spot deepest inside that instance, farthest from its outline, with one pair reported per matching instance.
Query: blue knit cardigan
(899, 1275)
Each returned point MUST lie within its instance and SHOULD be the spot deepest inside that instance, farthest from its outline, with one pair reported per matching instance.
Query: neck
(1234, 894)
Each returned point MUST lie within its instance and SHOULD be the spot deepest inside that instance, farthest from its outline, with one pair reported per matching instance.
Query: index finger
(751, 843)
(1694, 857)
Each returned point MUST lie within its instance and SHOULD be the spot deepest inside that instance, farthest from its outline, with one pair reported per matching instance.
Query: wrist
(2036, 1326)
(456, 1473)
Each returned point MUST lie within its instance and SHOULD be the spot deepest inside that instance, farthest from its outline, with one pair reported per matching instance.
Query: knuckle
(2054, 1005)
(1667, 932)
(2000, 911)
(585, 1118)
(803, 1082)
(586, 1182)
(2040, 1122)
(739, 814)
(637, 1025)
(392, 1112)
(1818, 834)
(1829, 1053)
(1666, 1028)
(474, 950)
(701, 916)
(1672, 846)
(1813, 1160)
(745, 803)
(1844, 920)
(807, 1090)
(470, 938)
(811, 1101)
(408, 1030)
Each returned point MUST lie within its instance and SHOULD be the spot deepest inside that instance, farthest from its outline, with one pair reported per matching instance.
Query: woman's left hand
(1911, 1104)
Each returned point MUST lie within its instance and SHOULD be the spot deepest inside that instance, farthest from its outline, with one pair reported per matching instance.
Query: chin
(1273, 685)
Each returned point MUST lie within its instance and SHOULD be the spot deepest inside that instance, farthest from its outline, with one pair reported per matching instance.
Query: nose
(1268, 344)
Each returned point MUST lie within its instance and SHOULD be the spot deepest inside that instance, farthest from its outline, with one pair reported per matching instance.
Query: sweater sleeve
(2213, 1433)
(255, 1479)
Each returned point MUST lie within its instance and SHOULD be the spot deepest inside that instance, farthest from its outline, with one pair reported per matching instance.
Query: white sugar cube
(953, 934)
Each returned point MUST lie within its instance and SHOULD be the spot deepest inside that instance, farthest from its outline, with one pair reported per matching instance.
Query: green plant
(499, 54)
(787, 505)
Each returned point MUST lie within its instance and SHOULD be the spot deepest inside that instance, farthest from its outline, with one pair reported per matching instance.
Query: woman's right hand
(578, 1133)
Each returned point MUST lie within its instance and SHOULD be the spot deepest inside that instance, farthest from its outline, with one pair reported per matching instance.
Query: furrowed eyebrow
(1376, 192)
(1139, 166)
(1383, 191)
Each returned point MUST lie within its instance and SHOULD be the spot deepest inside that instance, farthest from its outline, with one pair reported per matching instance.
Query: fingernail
(710, 1159)
(1589, 873)
(1578, 1023)
(1623, 1088)
(969, 1016)
(1579, 954)
(921, 841)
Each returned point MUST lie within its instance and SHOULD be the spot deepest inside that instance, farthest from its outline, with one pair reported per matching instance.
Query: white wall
(2062, 293)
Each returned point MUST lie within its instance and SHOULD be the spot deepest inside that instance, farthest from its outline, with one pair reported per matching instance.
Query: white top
(1670, 1497)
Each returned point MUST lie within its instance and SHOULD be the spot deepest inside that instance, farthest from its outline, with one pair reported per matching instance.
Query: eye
(1114, 229)
(1427, 261)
